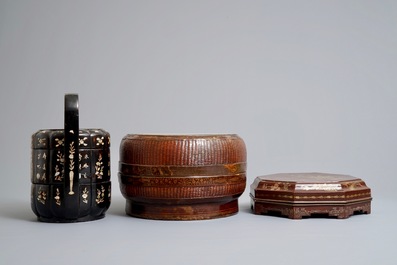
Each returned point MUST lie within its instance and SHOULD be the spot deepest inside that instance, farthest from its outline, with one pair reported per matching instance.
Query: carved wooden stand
(310, 194)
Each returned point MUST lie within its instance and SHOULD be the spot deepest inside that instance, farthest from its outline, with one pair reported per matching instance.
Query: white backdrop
(309, 86)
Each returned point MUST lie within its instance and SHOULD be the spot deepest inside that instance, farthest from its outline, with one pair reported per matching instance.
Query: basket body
(182, 177)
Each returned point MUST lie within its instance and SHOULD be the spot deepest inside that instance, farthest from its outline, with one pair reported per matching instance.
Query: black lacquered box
(70, 173)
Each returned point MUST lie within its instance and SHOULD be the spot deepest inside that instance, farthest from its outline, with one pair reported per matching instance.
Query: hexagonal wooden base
(298, 211)
(310, 194)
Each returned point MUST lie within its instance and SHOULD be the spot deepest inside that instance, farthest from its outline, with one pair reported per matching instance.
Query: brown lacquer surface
(182, 177)
(298, 195)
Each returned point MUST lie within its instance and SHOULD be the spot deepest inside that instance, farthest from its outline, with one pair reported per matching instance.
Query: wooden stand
(300, 195)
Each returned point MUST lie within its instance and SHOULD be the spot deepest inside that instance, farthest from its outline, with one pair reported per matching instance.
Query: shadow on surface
(117, 207)
(245, 207)
(18, 210)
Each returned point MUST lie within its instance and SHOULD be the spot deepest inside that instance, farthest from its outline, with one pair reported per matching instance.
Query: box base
(62, 220)
(299, 211)
(183, 212)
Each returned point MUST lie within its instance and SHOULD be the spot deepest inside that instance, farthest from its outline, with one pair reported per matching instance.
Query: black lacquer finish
(70, 171)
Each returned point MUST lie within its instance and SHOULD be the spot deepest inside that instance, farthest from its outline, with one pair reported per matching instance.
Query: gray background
(309, 85)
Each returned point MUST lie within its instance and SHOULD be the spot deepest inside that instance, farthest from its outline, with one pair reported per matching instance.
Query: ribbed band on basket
(182, 150)
(182, 188)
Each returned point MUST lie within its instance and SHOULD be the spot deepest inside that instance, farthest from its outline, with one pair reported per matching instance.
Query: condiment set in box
(172, 177)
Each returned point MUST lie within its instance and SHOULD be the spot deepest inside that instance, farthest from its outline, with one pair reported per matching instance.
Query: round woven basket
(182, 177)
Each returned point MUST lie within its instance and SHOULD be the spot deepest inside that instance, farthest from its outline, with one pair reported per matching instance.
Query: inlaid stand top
(308, 177)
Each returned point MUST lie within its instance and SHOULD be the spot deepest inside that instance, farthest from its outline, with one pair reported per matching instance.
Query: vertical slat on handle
(71, 155)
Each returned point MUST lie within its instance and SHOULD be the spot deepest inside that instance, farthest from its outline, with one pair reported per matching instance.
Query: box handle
(72, 151)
